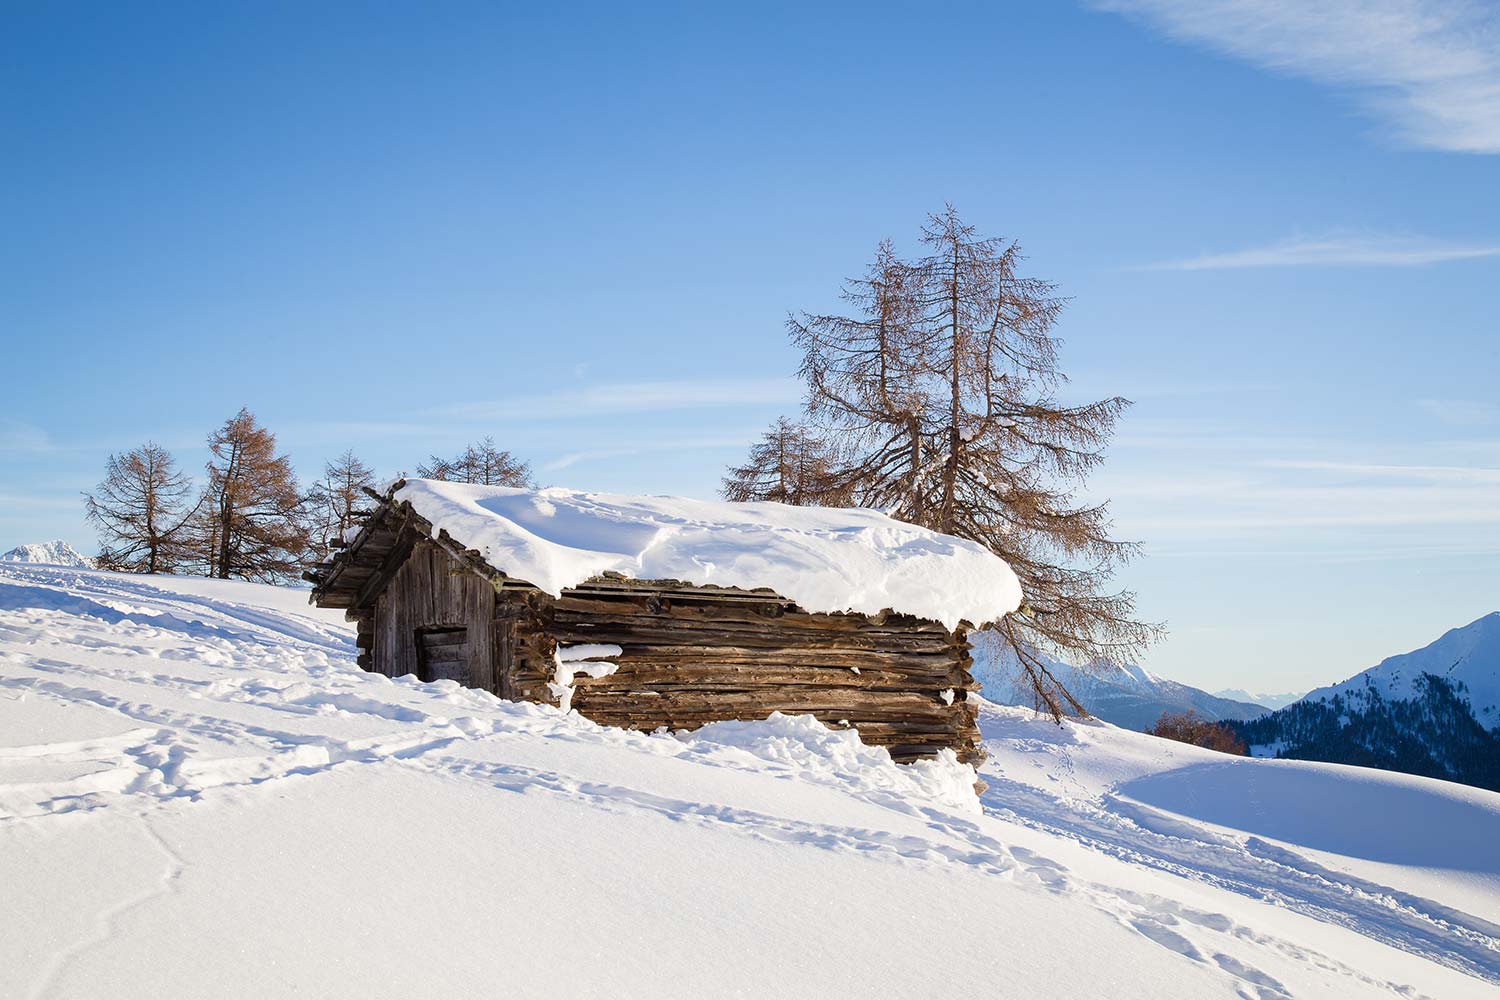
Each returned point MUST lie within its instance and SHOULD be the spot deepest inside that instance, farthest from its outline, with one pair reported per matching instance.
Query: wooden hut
(650, 612)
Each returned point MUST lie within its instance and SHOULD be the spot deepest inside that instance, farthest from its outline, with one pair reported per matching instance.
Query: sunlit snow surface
(201, 796)
(824, 559)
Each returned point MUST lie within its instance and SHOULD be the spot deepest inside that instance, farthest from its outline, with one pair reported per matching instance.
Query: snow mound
(824, 559)
(54, 553)
(801, 745)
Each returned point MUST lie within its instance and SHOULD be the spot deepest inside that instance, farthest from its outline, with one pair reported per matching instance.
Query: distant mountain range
(1130, 697)
(54, 553)
(1271, 701)
(1434, 711)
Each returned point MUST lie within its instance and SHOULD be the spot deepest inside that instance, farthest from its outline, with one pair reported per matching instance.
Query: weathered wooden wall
(690, 655)
(692, 658)
(431, 589)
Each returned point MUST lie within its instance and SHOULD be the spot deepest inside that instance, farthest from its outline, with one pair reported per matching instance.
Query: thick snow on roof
(824, 559)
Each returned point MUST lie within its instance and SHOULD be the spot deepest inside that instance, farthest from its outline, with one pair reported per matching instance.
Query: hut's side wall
(689, 660)
(431, 591)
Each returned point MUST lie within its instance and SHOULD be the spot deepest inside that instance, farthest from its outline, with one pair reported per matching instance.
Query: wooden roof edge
(326, 581)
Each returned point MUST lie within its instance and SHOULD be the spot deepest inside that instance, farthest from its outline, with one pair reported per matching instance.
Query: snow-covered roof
(824, 559)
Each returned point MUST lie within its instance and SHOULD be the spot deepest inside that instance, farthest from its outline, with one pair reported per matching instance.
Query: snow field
(200, 795)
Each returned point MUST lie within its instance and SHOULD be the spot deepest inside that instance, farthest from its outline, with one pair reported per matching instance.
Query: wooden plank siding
(428, 591)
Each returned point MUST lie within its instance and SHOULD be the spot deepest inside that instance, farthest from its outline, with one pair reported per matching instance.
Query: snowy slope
(201, 796)
(1469, 656)
(55, 553)
(1128, 696)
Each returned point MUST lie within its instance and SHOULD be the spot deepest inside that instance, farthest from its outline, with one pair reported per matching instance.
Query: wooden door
(443, 654)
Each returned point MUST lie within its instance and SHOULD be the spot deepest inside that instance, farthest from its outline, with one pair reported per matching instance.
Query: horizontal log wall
(690, 660)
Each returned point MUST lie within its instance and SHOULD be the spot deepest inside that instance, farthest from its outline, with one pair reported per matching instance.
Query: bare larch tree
(793, 464)
(141, 512)
(864, 376)
(943, 388)
(482, 464)
(333, 500)
(253, 514)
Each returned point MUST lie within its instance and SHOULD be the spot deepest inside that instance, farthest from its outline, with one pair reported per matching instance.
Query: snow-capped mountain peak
(1434, 711)
(1272, 700)
(1468, 656)
(53, 553)
(1126, 695)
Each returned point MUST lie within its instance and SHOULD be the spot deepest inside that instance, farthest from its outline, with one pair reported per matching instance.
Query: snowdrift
(200, 795)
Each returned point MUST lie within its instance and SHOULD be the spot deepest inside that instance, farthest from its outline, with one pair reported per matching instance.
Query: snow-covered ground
(201, 796)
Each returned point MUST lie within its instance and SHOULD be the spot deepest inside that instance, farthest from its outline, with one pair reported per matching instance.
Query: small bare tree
(141, 512)
(481, 464)
(252, 526)
(333, 500)
(943, 388)
(791, 464)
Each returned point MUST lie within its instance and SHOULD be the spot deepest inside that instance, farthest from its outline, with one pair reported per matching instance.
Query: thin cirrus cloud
(1334, 251)
(572, 458)
(1461, 412)
(1429, 70)
(635, 397)
(1424, 473)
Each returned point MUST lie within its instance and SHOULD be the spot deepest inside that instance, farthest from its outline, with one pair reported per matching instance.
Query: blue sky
(397, 228)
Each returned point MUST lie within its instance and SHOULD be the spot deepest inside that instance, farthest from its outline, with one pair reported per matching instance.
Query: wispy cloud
(605, 398)
(573, 458)
(1463, 412)
(1316, 502)
(16, 436)
(1421, 473)
(39, 501)
(1334, 251)
(551, 409)
(1428, 69)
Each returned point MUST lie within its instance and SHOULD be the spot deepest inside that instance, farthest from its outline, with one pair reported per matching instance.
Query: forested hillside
(1433, 733)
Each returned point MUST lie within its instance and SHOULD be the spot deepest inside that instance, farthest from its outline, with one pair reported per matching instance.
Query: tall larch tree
(141, 511)
(945, 386)
(253, 514)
